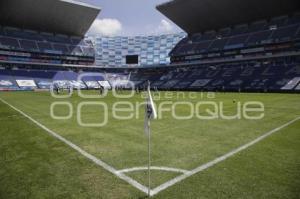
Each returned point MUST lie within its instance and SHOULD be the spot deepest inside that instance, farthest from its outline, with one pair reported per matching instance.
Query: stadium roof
(57, 16)
(196, 16)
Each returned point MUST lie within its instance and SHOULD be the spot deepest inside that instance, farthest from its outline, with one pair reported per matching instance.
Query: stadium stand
(241, 37)
(41, 36)
(273, 75)
(259, 52)
(17, 39)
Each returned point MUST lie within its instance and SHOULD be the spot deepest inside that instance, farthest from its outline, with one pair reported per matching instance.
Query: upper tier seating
(280, 29)
(31, 41)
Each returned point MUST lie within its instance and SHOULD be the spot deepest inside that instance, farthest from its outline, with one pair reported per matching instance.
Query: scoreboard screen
(132, 59)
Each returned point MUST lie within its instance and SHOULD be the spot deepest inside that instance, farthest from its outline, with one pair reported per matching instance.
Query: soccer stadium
(213, 113)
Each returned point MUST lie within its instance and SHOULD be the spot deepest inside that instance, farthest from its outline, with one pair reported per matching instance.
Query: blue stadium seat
(218, 44)
(201, 46)
(259, 37)
(237, 41)
(9, 43)
(285, 34)
(28, 45)
(45, 46)
(208, 36)
(62, 48)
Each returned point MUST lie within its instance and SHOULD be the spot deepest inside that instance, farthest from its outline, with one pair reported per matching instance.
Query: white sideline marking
(153, 168)
(219, 159)
(82, 152)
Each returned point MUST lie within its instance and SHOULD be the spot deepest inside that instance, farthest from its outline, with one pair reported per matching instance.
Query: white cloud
(164, 27)
(106, 27)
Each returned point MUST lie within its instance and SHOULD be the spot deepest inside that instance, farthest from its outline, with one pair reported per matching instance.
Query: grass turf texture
(36, 165)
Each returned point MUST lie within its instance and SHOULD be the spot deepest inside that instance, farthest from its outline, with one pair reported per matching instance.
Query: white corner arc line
(82, 152)
(219, 159)
(153, 168)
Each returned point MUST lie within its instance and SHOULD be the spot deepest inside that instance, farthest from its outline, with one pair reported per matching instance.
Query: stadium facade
(151, 50)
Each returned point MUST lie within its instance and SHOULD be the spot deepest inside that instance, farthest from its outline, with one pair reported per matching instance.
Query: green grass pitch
(34, 164)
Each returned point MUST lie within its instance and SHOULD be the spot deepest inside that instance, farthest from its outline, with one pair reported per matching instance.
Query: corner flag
(150, 112)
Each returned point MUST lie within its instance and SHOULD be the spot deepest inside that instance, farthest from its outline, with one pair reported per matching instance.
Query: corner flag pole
(149, 159)
(150, 113)
(149, 139)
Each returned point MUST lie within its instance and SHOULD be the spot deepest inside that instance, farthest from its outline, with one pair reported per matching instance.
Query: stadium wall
(152, 50)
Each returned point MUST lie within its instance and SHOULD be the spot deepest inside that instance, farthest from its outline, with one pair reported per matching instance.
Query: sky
(130, 18)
